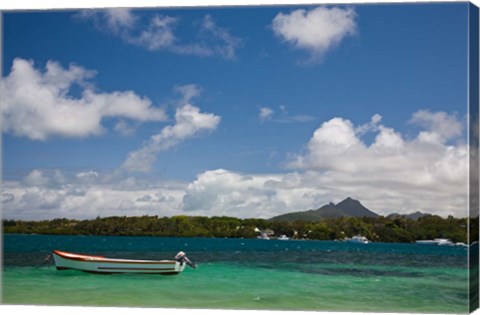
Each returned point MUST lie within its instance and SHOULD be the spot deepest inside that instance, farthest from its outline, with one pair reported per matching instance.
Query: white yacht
(358, 239)
(436, 242)
(443, 242)
(263, 236)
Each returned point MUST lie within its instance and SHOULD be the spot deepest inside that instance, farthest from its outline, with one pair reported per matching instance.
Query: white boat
(283, 238)
(101, 264)
(263, 236)
(358, 239)
(436, 242)
(443, 242)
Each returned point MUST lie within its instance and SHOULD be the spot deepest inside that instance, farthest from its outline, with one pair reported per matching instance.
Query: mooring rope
(46, 260)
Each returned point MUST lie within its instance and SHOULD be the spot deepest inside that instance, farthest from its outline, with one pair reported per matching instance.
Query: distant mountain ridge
(346, 208)
(414, 216)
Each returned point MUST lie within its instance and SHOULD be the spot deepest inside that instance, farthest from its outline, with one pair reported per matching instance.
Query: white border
(70, 4)
(8, 5)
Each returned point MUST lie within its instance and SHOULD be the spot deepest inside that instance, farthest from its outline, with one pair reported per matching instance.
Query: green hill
(354, 208)
(347, 208)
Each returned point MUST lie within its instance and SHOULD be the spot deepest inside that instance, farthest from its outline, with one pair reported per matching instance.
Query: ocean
(243, 274)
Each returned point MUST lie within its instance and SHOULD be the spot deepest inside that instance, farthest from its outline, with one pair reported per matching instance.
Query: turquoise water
(244, 274)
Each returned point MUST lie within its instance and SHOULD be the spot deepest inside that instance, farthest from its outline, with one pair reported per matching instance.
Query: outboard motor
(181, 257)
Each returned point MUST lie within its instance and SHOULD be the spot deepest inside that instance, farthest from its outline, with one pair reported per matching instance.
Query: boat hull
(100, 264)
(358, 240)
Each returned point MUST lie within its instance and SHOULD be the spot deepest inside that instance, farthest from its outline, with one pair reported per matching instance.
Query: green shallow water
(321, 276)
(219, 285)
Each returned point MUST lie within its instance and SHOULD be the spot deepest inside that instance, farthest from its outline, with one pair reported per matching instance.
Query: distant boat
(358, 239)
(263, 236)
(283, 238)
(436, 242)
(443, 242)
(101, 264)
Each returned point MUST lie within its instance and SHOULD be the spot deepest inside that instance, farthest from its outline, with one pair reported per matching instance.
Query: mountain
(353, 208)
(331, 211)
(414, 216)
(327, 211)
(347, 208)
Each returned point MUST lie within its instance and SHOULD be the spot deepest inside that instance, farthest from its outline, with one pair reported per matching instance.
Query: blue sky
(267, 88)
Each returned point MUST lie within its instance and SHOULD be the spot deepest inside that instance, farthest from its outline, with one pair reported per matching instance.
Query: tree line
(379, 229)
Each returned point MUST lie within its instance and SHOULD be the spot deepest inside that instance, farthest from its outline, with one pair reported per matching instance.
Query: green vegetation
(379, 229)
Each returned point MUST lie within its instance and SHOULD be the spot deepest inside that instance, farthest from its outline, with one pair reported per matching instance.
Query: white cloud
(44, 178)
(159, 34)
(220, 40)
(87, 177)
(440, 126)
(36, 178)
(317, 30)
(189, 122)
(407, 173)
(222, 192)
(265, 113)
(89, 200)
(6, 197)
(370, 126)
(124, 128)
(38, 104)
(268, 114)
(188, 92)
(113, 19)
(337, 133)
(388, 138)
(392, 174)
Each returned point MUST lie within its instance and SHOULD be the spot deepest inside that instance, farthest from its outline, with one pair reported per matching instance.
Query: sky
(237, 111)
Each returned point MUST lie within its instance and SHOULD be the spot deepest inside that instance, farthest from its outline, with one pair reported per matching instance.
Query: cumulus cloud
(36, 178)
(394, 171)
(87, 177)
(317, 30)
(6, 197)
(159, 33)
(370, 126)
(189, 122)
(391, 173)
(440, 126)
(42, 178)
(223, 192)
(86, 195)
(38, 104)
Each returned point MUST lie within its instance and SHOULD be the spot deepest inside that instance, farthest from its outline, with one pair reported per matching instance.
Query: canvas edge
(473, 123)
